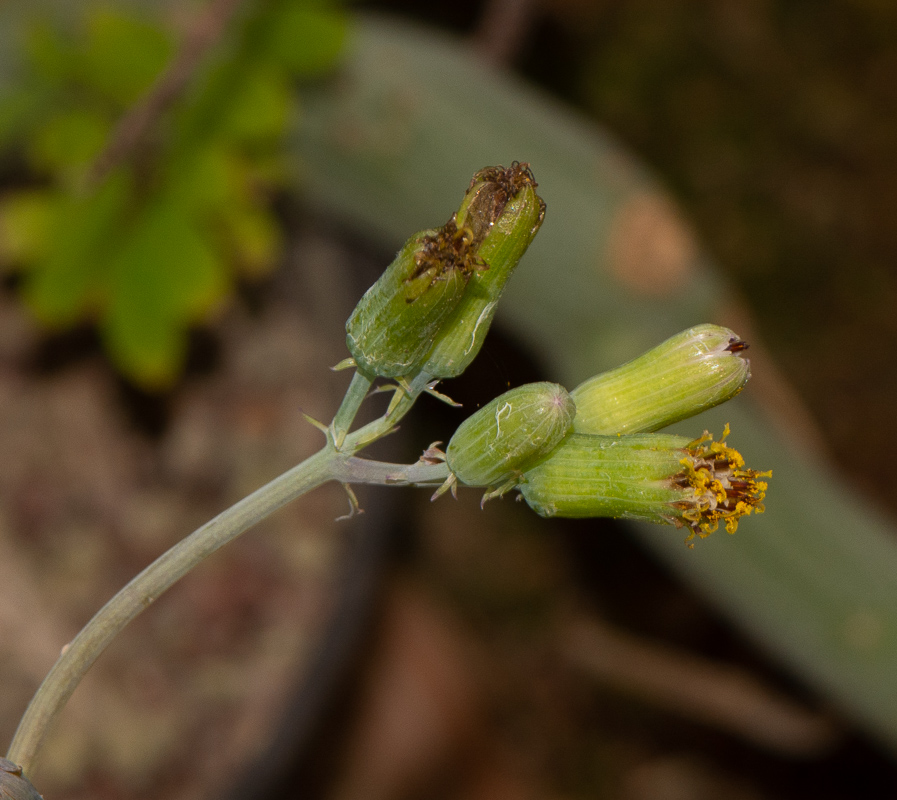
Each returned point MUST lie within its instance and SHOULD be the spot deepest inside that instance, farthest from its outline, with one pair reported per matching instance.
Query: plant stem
(83, 650)
(328, 464)
(361, 470)
(345, 416)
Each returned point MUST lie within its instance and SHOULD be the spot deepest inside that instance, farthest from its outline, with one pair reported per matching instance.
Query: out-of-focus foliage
(156, 244)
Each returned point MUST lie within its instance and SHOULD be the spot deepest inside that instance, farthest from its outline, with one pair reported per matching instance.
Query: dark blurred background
(471, 654)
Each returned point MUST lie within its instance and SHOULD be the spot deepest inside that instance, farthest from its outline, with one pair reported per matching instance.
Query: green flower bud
(14, 785)
(510, 434)
(689, 373)
(653, 477)
(395, 323)
(504, 213)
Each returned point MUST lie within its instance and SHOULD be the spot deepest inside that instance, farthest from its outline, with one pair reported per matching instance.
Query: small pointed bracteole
(451, 482)
(354, 508)
(346, 363)
(403, 388)
(431, 390)
(383, 387)
(500, 490)
(325, 429)
(432, 455)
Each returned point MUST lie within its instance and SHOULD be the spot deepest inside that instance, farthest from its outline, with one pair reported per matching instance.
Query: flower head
(493, 446)
(504, 213)
(652, 477)
(397, 320)
(431, 309)
(688, 373)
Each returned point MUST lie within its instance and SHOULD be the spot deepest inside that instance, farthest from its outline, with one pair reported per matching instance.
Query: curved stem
(146, 587)
(328, 464)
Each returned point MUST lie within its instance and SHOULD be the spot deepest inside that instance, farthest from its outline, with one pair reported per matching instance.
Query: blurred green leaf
(25, 219)
(66, 281)
(148, 258)
(308, 38)
(50, 54)
(254, 238)
(124, 55)
(69, 141)
(18, 110)
(205, 180)
(165, 276)
(259, 107)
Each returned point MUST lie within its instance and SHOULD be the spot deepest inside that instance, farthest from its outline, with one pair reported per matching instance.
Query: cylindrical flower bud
(395, 323)
(14, 785)
(510, 434)
(504, 212)
(652, 477)
(689, 373)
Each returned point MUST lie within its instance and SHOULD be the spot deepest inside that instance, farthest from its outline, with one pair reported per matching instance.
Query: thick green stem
(361, 470)
(345, 416)
(159, 576)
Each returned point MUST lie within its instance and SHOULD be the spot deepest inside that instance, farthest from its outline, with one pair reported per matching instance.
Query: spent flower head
(396, 321)
(421, 317)
(504, 213)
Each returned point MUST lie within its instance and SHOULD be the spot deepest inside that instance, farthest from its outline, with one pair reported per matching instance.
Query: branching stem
(332, 462)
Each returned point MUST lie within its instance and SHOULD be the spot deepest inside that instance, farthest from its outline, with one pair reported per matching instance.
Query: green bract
(396, 321)
(510, 434)
(689, 373)
(608, 476)
(504, 213)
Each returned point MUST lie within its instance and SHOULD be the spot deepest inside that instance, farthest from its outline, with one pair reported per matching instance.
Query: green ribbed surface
(501, 249)
(688, 373)
(510, 433)
(608, 476)
(396, 321)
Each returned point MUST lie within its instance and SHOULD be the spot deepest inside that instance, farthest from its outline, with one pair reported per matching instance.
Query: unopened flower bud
(689, 373)
(395, 323)
(651, 477)
(14, 785)
(510, 434)
(504, 213)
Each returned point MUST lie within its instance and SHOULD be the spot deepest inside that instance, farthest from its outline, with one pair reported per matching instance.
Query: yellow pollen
(722, 489)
